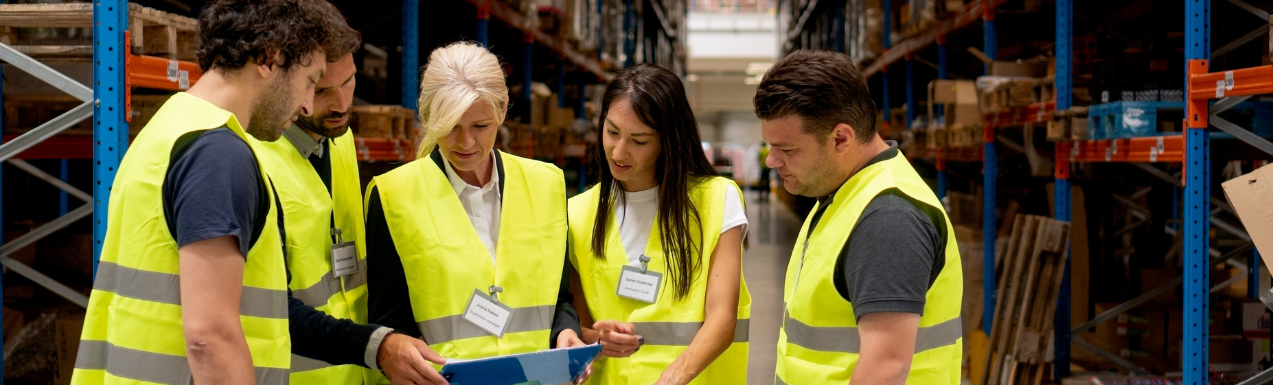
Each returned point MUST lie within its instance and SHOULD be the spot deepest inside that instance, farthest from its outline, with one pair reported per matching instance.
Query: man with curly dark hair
(192, 284)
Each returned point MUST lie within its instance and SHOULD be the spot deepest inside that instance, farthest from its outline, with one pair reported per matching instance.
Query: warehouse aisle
(773, 232)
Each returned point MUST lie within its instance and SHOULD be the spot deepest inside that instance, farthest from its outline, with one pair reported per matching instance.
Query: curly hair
(233, 33)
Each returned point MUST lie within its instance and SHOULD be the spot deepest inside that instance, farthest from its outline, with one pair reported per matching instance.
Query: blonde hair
(456, 77)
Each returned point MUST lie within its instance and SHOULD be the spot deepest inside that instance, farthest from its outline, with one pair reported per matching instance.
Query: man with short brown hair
(874, 286)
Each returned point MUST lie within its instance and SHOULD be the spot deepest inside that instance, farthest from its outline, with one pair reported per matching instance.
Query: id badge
(344, 259)
(488, 314)
(634, 284)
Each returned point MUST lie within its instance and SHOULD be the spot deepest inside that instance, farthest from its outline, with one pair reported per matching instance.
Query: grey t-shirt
(894, 253)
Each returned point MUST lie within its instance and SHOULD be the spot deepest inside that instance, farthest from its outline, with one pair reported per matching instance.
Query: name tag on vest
(488, 314)
(344, 259)
(634, 284)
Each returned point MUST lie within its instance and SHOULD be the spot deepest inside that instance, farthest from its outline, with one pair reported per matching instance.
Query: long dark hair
(657, 96)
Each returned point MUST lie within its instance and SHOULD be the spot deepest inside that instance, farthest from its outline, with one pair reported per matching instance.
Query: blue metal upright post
(629, 34)
(561, 81)
(941, 116)
(483, 24)
(1253, 275)
(990, 171)
(910, 92)
(410, 53)
(887, 5)
(1197, 211)
(884, 104)
(63, 174)
(528, 68)
(991, 37)
(838, 28)
(582, 114)
(110, 18)
(942, 69)
(989, 176)
(601, 29)
(1064, 98)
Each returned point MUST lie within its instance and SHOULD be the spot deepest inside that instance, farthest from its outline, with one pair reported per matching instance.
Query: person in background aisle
(764, 182)
(465, 228)
(315, 171)
(874, 285)
(192, 285)
(658, 242)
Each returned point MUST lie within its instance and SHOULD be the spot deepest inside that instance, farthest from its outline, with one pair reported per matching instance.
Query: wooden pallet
(151, 32)
(1030, 273)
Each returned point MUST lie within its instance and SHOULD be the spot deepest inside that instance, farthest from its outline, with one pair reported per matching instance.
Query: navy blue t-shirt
(213, 189)
(211, 177)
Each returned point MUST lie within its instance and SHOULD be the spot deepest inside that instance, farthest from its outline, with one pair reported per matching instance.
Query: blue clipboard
(548, 367)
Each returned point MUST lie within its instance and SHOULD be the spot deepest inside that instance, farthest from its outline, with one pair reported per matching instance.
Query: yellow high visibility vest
(132, 331)
(668, 325)
(445, 260)
(819, 342)
(308, 214)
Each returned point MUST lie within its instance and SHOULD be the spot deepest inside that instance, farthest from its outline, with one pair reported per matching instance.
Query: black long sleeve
(388, 298)
(565, 316)
(322, 337)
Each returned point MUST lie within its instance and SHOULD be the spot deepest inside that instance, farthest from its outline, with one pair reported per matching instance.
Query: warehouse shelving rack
(1190, 149)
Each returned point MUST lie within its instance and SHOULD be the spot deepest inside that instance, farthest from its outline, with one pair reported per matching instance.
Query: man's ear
(843, 137)
(269, 64)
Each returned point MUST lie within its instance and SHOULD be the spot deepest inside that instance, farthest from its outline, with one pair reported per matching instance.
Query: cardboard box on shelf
(1249, 195)
(67, 343)
(1152, 278)
(1020, 68)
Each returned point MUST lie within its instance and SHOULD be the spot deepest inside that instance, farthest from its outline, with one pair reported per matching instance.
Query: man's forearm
(219, 358)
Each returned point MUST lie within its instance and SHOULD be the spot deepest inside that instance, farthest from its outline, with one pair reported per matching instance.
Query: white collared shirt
(481, 203)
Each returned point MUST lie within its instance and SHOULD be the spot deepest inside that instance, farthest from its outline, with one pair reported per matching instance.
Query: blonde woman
(465, 230)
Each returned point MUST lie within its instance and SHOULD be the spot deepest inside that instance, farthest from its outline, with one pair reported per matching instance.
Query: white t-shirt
(636, 211)
(482, 204)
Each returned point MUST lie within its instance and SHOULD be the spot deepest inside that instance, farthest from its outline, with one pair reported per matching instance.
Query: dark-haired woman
(657, 244)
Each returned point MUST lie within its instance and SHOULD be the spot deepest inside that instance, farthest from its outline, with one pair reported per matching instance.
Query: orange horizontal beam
(1034, 113)
(1149, 149)
(385, 150)
(159, 73)
(1246, 81)
(972, 12)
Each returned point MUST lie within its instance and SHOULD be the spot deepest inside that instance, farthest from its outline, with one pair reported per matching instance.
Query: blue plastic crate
(1126, 119)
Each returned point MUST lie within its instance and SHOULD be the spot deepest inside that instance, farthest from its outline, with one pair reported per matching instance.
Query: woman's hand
(568, 339)
(618, 339)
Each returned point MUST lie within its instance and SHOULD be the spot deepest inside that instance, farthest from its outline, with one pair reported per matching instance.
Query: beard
(318, 125)
(270, 110)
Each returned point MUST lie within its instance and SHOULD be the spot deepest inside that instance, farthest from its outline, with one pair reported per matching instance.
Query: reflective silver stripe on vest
(846, 339)
(303, 364)
(453, 328)
(682, 333)
(778, 380)
(152, 367)
(320, 292)
(166, 288)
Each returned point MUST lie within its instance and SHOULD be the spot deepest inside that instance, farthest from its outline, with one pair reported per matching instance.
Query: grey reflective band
(523, 319)
(682, 333)
(166, 288)
(302, 364)
(778, 380)
(846, 339)
(358, 278)
(320, 292)
(152, 367)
